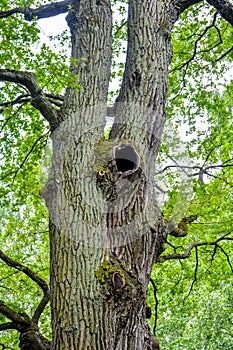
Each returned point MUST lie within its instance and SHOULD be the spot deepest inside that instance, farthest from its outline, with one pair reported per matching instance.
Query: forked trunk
(106, 230)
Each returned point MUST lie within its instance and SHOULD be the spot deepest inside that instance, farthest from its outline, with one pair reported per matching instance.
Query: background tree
(106, 229)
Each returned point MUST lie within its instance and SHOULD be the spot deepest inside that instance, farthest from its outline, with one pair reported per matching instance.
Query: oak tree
(106, 228)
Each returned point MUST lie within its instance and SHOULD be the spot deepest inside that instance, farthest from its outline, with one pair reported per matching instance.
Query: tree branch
(44, 11)
(40, 308)
(34, 277)
(16, 265)
(39, 99)
(24, 98)
(201, 170)
(191, 246)
(7, 325)
(182, 5)
(224, 8)
(224, 54)
(195, 51)
(18, 320)
(20, 99)
(10, 117)
(30, 337)
(227, 256)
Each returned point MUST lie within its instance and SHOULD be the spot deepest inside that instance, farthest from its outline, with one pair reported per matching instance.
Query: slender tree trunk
(106, 230)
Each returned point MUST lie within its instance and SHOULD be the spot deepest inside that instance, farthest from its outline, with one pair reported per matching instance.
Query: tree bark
(105, 228)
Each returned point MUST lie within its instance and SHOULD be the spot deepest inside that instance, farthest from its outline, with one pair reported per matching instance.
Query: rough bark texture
(106, 231)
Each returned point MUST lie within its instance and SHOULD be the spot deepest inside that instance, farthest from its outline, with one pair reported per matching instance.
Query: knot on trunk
(118, 281)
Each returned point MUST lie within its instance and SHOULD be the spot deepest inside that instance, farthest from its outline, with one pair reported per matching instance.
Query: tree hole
(126, 158)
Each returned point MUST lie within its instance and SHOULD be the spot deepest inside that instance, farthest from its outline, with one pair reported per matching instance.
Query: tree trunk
(106, 230)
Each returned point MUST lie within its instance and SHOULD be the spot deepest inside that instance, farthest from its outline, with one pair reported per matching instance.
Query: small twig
(224, 54)
(227, 256)
(15, 172)
(120, 27)
(20, 99)
(186, 63)
(199, 173)
(10, 117)
(195, 275)
(174, 247)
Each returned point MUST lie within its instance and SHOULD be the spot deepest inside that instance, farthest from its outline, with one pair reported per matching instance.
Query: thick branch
(182, 5)
(30, 337)
(39, 99)
(145, 79)
(19, 320)
(44, 11)
(57, 100)
(224, 8)
(6, 326)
